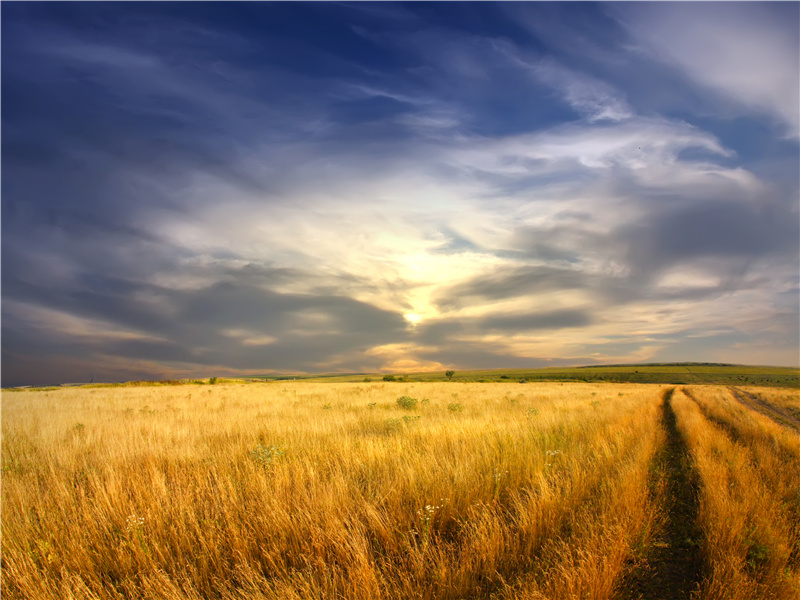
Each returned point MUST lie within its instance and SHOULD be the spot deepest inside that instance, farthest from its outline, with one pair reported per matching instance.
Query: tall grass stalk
(255, 491)
(750, 496)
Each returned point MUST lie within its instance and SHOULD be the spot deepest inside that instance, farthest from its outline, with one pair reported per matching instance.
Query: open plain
(397, 490)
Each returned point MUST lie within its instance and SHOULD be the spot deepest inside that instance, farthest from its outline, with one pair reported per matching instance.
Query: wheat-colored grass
(303, 490)
(786, 399)
(750, 497)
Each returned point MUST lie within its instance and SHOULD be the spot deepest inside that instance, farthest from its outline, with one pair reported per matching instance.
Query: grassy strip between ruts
(671, 568)
(749, 507)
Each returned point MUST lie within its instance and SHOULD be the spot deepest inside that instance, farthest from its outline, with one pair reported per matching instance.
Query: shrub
(266, 455)
(212, 381)
(390, 425)
(454, 407)
(758, 556)
(388, 378)
(449, 374)
(407, 402)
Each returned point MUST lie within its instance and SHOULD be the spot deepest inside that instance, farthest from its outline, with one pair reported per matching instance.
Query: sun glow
(412, 318)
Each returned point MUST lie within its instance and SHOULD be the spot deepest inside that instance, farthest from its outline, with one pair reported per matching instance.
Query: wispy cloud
(460, 197)
(590, 97)
(746, 51)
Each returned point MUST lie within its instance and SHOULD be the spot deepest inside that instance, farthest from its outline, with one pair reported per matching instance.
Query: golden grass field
(306, 490)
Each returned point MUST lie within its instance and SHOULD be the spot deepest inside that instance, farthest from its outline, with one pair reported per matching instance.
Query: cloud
(590, 97)
(235, 201)
(509, 282)
(649, 148)
(746, 51)
(233, 321)
(558, 319)
(454, 328)
(595, 99)
(719, 229)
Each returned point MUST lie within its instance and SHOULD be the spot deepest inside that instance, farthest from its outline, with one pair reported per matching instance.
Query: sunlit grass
(749, 468)
(384, 490)
(302, 490)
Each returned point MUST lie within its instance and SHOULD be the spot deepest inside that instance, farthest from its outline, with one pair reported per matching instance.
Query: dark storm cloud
(485, 356)
(558, 319)
(238, 301)
(728, 230)
(241, 304)
(510, 283)
(217, 324)
(448, 333)
(723, 236)
(565, 242)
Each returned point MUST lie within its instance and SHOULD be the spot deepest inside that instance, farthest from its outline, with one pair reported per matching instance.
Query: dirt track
(673, 568)
(775, 413)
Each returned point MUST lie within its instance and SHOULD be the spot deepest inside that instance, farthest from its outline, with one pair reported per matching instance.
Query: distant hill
(670, 373)
(677, 373)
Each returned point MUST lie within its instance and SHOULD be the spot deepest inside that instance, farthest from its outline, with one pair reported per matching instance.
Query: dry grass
(784, 399)
(303, 490)
(750, 496)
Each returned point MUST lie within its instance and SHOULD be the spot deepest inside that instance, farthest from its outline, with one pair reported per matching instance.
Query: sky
(221, 189)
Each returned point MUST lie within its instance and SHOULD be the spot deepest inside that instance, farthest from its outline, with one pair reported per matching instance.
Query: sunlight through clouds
(411, 190)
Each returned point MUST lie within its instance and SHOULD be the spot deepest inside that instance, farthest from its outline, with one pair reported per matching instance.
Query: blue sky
(195, 189)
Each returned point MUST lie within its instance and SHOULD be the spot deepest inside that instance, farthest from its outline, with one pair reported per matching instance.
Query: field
(425, 490)
(670, 373)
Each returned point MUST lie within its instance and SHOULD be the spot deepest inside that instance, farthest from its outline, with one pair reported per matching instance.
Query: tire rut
(781, 417)
(672, 569)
